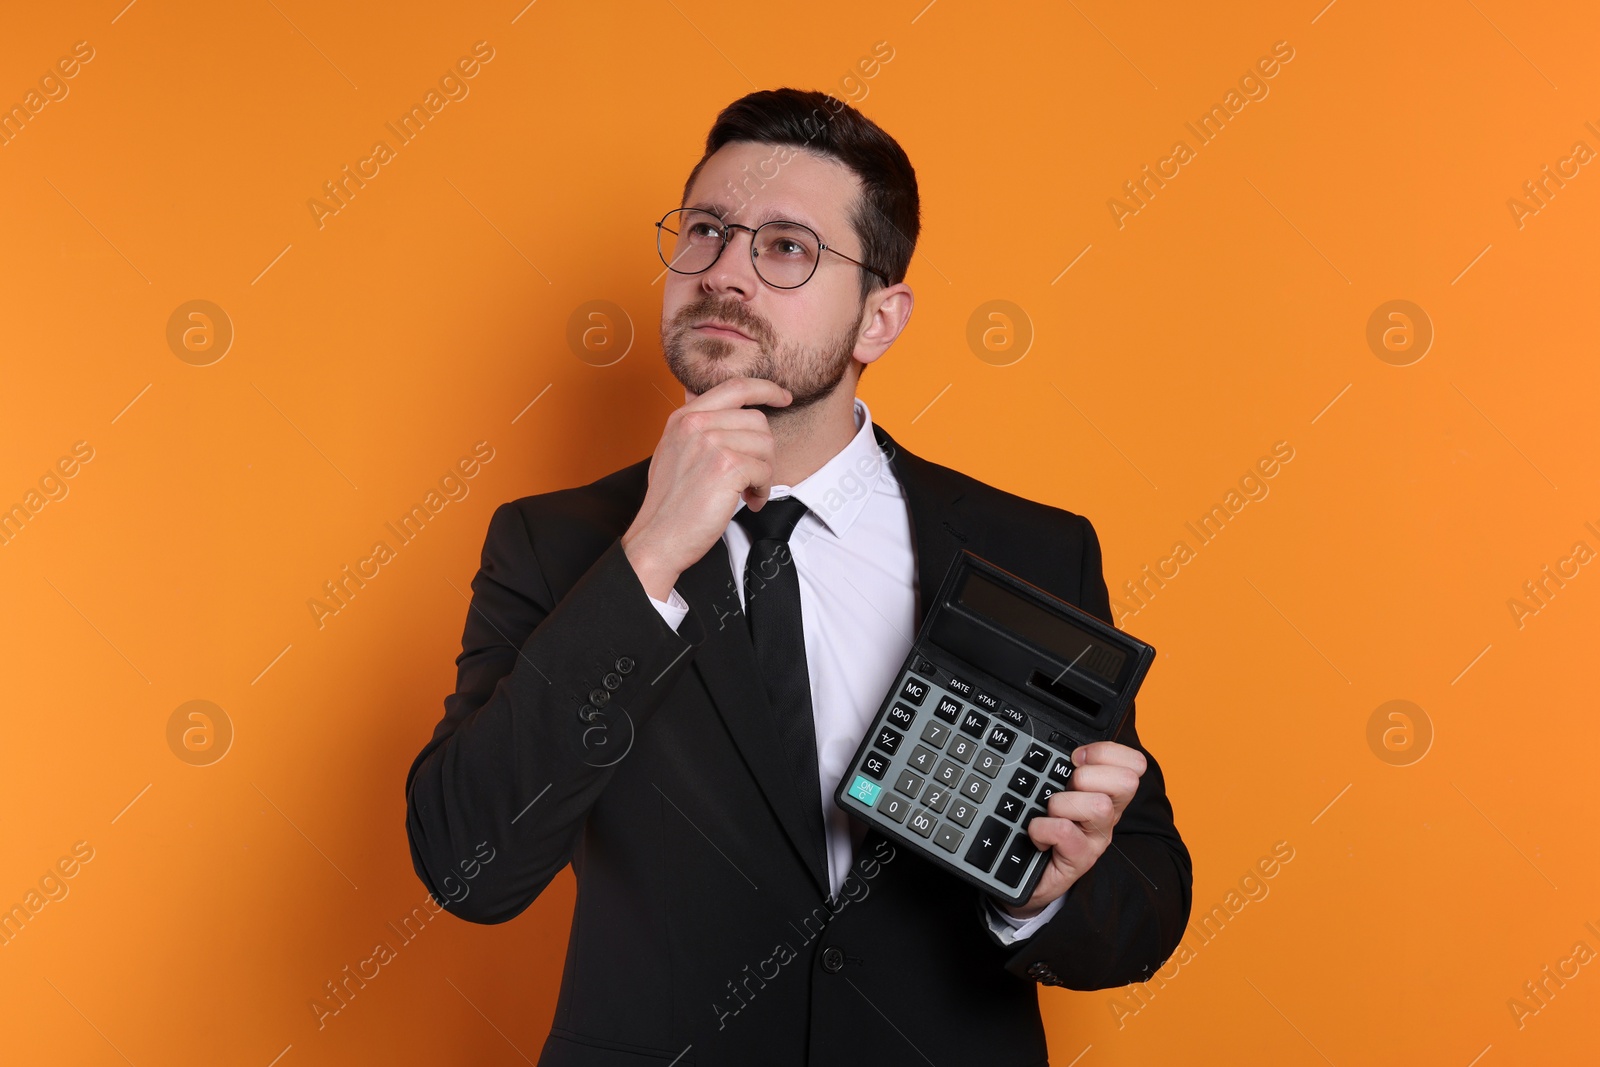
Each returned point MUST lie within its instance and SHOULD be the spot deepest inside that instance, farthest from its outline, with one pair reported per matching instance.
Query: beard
(701, 362)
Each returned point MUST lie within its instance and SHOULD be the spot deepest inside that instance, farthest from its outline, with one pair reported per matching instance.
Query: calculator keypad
(956, 770)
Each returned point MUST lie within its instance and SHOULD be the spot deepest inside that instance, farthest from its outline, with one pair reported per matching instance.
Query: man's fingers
(1109, 752)
(739, 392)
(1092, 810)
(1106, 778)
(1065, 837)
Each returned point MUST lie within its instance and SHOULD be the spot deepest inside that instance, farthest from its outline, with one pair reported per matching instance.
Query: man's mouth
(721, 329)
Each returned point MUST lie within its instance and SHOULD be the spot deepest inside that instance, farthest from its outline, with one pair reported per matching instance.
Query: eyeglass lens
(785, 253)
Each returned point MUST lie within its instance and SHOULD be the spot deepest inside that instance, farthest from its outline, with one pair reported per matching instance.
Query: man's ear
(885, 315)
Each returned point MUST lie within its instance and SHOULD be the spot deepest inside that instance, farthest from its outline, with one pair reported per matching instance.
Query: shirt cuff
(672, 609)
(1010, 929)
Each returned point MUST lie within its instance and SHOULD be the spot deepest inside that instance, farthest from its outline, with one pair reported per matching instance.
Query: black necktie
(772, 606)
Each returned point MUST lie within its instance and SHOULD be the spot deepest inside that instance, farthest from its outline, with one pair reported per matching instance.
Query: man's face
(803, 339)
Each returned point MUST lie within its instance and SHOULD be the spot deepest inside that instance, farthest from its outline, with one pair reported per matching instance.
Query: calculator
(1003, 682)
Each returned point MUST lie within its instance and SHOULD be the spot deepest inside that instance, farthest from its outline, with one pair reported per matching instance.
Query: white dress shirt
(853, 554)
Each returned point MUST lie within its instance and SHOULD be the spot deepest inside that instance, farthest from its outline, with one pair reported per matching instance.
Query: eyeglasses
(785, 254)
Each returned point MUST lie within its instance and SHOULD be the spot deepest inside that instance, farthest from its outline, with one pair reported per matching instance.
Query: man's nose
(733, 269)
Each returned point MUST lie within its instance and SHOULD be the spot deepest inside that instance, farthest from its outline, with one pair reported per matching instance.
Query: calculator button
(1009, 807)
(874, 766)
(921, 759)
(962, 812)
(1012, 715)
(987, 843)
(959, 685)
(924, 668)
(1002, 737)
(988, 763)
(975, 789)
(985, 701)
(907, 783)
(1046, 791)
(935, 797)
(1037, 757)
(1016, 861)
(1023, 782)
(888, 739)
(1061, 769)
(962, 749)
(1032, 815)
(922, 823)
(972, 724)
(935, 733)
(915, 690)
(948, 709)
(865, 791)
(893, 807)
(901, 716)
(947, 838)
(948, 773)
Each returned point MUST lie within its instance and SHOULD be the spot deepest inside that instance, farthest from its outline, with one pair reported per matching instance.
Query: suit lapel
(726, 660)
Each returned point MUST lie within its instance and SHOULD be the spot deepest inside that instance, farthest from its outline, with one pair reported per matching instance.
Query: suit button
(1041, 971)
(624, 664)
(598, 696)
(588, 712)
(832, 960)
(612, 680)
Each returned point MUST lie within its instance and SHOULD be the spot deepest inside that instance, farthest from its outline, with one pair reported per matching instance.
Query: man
(625, 695)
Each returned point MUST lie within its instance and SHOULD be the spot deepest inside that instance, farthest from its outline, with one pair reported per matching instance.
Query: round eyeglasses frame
(727, 236)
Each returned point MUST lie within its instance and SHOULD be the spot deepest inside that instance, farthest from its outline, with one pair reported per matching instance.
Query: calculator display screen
(1047, 630)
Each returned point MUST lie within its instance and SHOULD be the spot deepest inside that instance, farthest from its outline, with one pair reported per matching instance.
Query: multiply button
(987, 843)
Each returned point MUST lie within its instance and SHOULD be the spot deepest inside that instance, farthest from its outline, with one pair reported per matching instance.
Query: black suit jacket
(703, 928)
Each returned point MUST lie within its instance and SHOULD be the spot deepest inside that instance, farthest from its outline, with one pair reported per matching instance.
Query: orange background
(432, 310)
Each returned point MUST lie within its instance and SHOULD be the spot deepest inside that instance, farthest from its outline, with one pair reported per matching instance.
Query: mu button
(832, 960)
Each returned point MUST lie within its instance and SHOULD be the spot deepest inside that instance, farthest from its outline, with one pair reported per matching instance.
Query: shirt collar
(838, 490)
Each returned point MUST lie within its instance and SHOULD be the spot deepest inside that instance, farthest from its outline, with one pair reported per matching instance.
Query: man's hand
(1078, 820)
(714, 452)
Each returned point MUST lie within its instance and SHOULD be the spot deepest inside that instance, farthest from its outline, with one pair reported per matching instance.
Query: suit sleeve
(515, 763)
(1125, 916)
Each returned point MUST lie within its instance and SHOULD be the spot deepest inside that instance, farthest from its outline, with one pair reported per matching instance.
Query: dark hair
(887, 215)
